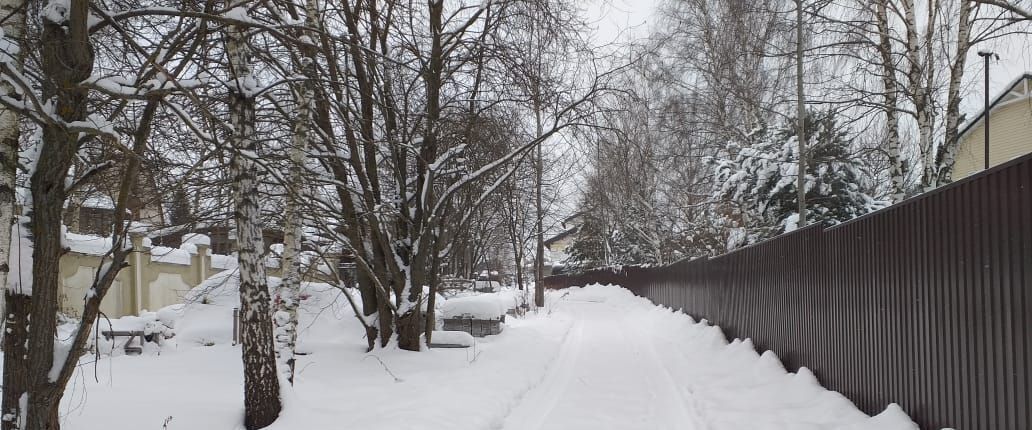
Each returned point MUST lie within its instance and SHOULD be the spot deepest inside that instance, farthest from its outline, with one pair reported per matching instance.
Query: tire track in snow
(670, 399)
(608, 375)
(538, 402)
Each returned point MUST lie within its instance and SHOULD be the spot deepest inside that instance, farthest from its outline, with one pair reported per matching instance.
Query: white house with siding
(1010, 130)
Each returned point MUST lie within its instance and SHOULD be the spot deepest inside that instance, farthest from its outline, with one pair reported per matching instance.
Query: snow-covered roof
(98, 201)
(562, 235)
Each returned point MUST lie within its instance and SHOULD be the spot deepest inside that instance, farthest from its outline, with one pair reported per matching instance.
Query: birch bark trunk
(290, 290)
(261, 383)
(947, 154)
(897, 168)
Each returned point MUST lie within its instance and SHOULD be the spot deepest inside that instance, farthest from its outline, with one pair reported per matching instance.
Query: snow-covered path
(628, 364)
(607, 375)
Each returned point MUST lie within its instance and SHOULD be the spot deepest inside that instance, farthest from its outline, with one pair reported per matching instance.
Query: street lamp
(985, 122)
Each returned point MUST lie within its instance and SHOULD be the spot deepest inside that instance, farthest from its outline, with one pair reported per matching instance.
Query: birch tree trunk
(261, 383)
(800, 118)
(947, 153)
(290, 290)
(927, 113)
(897, 168)
(16, 303)
(920, 76)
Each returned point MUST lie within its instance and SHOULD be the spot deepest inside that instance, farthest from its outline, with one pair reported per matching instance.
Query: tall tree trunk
(17, 302)
(800, 118)
(539, 260)
(16, 370)
(928, 114)
(289, 296)
(947, 154)
(67, 59)
(410, 323)
(919, 73)
(897, 168)
(261, 383)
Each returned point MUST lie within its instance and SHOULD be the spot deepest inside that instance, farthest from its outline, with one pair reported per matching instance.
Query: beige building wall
(1010, 136)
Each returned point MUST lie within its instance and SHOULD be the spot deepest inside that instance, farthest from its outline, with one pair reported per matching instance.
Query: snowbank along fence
(927, 303)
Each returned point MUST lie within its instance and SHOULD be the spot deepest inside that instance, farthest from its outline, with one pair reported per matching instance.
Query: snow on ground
(628, 364)
(593, 358)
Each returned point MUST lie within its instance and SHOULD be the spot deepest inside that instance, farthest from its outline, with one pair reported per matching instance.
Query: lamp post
(985, 121)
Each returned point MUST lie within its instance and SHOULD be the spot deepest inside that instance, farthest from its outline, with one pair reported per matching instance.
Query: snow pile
(459, 338)
(191, 241)
(156, 326)
(485, 307)
(223, 262)
(206, 316)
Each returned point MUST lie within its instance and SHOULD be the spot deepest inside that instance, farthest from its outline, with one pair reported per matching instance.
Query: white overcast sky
(624, 20)
(619, 20)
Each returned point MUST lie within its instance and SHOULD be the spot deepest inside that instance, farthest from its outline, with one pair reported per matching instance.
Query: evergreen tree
(757, 180)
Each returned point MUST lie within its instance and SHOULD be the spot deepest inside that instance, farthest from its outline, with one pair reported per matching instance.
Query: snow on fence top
(479, 307)
(196, 239)
(163, 254)
(86, 244)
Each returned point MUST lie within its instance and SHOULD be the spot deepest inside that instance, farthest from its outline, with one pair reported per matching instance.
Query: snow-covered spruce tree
(756, 180)
(588, 249)
(609, 234)
(261, 381)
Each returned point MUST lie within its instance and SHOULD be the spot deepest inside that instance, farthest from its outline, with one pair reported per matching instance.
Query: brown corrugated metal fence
(926, 304)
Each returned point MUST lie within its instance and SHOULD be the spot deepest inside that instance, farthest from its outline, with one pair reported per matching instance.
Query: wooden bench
(131, 334)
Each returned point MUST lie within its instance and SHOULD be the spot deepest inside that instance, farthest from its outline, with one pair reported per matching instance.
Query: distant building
(561, 242)
(1010, 130)
(557, 247)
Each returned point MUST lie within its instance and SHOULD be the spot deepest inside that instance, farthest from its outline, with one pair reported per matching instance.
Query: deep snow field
(593, 358)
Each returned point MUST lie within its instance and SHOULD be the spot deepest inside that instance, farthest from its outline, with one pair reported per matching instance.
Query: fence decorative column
(139, 261)
(201, 263)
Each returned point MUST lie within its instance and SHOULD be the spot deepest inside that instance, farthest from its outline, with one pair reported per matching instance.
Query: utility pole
(985, 115)
(801, 126)
(539, 260)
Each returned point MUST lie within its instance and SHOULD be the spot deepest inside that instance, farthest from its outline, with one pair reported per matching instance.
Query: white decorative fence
(156, 276)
